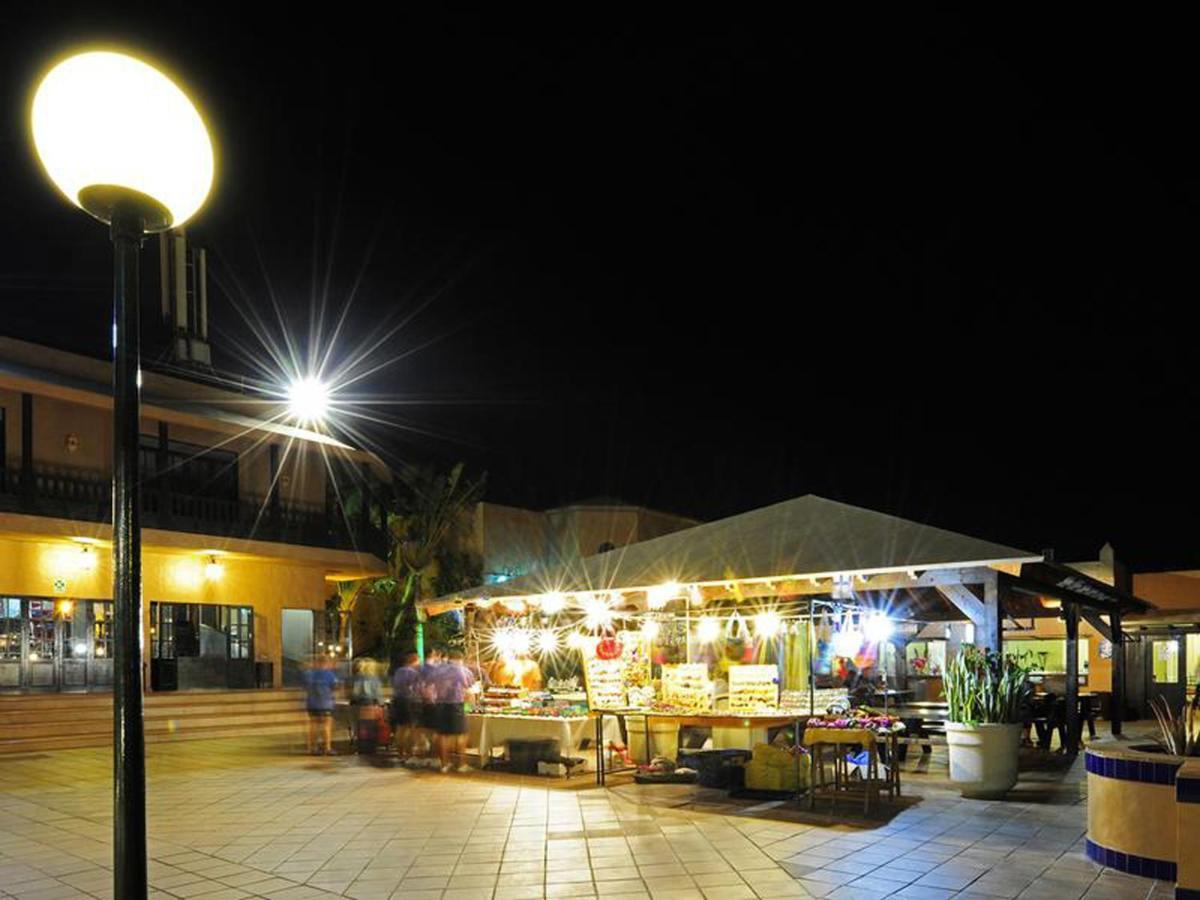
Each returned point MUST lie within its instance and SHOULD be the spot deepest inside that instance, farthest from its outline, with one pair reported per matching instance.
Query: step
(37, 745)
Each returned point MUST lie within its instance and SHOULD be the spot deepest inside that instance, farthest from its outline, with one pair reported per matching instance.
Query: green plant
(983, 687)
(1178, 735)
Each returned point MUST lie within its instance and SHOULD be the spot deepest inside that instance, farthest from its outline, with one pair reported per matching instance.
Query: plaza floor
(241, 818)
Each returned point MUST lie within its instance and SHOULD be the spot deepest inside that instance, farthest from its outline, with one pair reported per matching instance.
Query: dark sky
(940, 267)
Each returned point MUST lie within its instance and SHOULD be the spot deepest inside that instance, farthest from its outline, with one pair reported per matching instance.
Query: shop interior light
(547, 641)
(877, 628)
(767, 624)
(708, 629)
(553, 602)
(80, 648)
(515, 606)
(650, 629)
(695, 595)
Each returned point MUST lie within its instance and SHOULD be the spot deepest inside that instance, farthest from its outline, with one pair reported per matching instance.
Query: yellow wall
(31, 567)
(1169, 590)
(1099, 670)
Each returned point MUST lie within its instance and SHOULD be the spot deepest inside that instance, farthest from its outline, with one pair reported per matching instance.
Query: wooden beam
(1116, 714)
(966, 600)
(1071, 615)
(1093, 618)
(985, 613)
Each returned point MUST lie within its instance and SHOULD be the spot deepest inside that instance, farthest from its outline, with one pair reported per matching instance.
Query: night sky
(938, 267)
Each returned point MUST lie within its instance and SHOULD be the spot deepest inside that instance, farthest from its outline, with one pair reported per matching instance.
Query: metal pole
(129, 759)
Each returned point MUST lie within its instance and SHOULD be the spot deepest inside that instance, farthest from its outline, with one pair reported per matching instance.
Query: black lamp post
(126, 145)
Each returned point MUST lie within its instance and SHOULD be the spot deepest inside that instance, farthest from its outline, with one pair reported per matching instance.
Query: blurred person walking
(406, 706)
(453, 680)
(320, 682)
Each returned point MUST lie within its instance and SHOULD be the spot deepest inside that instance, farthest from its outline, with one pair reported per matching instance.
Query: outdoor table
(496, 728)
(819, 740)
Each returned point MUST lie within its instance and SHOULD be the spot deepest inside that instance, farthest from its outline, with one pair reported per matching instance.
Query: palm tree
(432, 516)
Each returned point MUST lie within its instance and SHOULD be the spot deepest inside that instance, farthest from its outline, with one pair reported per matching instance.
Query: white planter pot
(983, 758)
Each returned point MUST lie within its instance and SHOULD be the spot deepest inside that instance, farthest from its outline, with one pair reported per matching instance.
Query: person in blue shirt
(320, 682)
(406, 705)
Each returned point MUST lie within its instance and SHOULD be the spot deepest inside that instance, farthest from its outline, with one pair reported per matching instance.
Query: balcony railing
(87, 496)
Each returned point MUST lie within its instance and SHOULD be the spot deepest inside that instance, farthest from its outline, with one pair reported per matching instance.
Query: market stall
(725, 638)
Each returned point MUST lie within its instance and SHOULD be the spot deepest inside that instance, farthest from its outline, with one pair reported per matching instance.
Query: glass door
(11, 639)
(1166, 671)
(297, 634)
(43, 649)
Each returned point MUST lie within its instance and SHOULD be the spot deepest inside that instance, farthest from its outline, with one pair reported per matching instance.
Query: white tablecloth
(494, 730)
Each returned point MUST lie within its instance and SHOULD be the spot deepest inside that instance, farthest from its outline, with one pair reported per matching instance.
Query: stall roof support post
(985, 614)
(1117, 712)
(1071, 616)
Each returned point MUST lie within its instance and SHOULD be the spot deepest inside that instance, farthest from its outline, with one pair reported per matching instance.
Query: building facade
(243, 529)
(512, 541)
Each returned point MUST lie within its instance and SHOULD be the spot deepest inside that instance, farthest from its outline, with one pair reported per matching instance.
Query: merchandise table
(840, 740)
(494, 729)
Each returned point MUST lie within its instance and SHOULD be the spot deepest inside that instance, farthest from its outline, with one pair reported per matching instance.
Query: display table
(494, 730)
(715, 720)
(839, 742)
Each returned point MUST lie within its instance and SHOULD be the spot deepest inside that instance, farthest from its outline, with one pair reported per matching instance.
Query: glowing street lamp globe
(112, 131)
(308, 400)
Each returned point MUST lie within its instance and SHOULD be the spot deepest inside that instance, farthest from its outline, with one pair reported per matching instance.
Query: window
(1193, 659)
(162, 630)
(1045, 656)
(192, 469)
(239, 628)
(925, 657)
(201, 629)
(10, 628)
(1166, 661)
(102, 613)
(41, 631)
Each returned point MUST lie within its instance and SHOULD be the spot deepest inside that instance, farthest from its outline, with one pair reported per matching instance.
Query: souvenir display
(605, 683)
(753, 689)
(687, 685)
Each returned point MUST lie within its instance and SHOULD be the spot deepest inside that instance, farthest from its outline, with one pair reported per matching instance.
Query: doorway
(1166, 670)
(55, 644)
(297, 639)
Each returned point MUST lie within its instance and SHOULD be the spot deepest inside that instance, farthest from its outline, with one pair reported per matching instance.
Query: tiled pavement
(233, 819)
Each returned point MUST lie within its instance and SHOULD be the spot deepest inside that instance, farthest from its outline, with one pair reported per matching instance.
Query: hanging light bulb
(553, 602)
(708, 629)
(695, 595)
(576, 640)
(597, 613)
(650, 629)
(660, 595)
(521, 641)
(767, 624)
(547, 641)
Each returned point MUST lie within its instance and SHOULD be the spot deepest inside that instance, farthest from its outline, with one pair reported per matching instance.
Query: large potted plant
(985, 693)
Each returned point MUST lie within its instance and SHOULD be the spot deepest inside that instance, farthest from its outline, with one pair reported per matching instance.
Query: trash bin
(264, 674)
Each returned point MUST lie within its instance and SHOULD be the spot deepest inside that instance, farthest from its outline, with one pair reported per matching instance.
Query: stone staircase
(54, 721)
